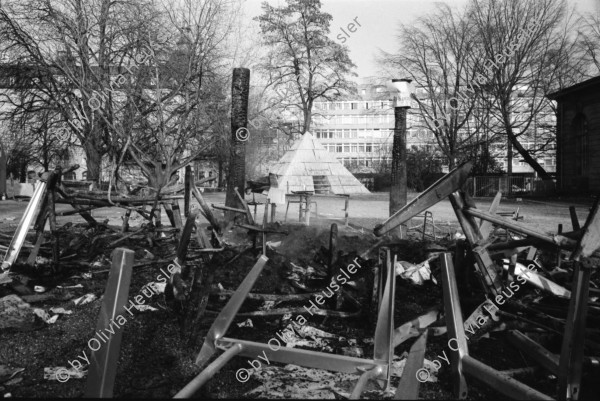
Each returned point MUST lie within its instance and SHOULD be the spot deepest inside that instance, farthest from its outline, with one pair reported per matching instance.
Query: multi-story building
(360, 131)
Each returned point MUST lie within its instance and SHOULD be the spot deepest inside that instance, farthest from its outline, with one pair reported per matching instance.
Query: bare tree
(302, 58)
(109, 69)
(590, 41)
(525, 46)
(435, 54)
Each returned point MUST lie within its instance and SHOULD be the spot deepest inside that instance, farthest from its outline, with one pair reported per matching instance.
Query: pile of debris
(504, 285)
(312, 299)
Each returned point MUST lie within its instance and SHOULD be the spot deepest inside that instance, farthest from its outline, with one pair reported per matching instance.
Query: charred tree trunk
(220, 164)
(93, 161)
(240, 87)
(398, 189)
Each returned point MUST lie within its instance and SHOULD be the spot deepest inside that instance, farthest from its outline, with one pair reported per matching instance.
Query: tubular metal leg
(103, 363)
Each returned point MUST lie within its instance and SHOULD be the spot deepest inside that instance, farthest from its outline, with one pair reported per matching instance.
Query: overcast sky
(379, 21)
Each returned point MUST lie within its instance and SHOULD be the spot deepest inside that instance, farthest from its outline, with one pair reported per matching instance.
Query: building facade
(360, 131)
(578, 138)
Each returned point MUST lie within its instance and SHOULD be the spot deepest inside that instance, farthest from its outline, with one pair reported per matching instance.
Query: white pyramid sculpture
(306, 162)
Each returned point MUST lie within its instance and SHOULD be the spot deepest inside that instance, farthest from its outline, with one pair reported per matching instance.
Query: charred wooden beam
(206, 212)
(560, 240)
(264, 226)
(538, 353)
(333, 234)
(180, 288)
(231, 209)
(574, 218)
(245, 204)
(187, 193)
(486, 267)
(126, 217)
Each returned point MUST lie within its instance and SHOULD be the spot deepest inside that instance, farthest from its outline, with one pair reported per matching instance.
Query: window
(354, 133)
(361, 147)
(354, 106)
(347, 133)
(369, 148)
(354, 148)
(318, 133)
(346, 148)
(367, 105)
(549, 161)
(338, 133)
(363, 92)
(338, 148)
(338, 106)
(346, 106)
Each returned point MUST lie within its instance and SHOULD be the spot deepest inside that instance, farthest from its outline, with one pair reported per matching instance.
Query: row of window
(354, 105)
(352, 133)
(549, 161)
(350, 162)
(355, 147)
(354, 119)
(367, 133)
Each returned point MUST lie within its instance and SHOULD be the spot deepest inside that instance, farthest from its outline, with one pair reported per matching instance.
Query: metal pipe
(455, 325)
(499, 381)
(364, 379)
(103, 362)
(276, 352)
(209, 372)
(227, 314)
(30, 214)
